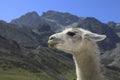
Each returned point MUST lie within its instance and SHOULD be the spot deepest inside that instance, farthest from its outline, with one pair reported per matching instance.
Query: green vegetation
(69, 75)
(112, 75)
(20, 74)
(43, 64)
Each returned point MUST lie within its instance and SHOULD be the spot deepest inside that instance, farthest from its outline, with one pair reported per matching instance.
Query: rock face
(115, 27)
(15, 33)
(29, 34)
(31, 19)
(61, 18)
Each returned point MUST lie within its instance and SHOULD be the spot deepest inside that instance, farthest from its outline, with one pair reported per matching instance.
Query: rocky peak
(114, 26)
(1, 21)
(28, 19)
(61, 18)
(32, 15)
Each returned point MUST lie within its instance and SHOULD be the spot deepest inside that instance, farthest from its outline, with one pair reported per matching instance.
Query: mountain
(59, 21)
(26, 48)
(29, 34)
(61, 18)
(53, 18)
(31, 19)
(115, 27)
(12, 32)
(96, 26)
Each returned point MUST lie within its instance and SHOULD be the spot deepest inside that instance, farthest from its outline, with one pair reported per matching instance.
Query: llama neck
(87, 67)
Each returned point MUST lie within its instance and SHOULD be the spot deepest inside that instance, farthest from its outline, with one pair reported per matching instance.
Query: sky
(103, 10)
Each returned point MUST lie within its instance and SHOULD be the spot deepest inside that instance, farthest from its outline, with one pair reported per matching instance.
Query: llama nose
(52, 38)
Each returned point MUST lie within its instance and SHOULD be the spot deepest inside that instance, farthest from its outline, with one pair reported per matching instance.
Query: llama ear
(95, 37)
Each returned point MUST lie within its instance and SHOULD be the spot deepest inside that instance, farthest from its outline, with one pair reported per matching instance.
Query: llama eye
(70, 33)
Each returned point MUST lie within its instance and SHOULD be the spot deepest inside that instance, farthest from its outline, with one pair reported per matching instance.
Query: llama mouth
(52, 44)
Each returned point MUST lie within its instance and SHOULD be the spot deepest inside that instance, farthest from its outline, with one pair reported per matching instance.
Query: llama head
(72, 40)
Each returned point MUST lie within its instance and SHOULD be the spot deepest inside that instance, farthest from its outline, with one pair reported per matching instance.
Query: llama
(82, 45)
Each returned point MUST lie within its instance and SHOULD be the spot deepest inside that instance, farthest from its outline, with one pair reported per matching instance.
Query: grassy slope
(44, 59)
(20, 74)
(111, 74)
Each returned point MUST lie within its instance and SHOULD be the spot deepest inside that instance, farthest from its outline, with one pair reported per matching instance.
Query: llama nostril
(51, 38)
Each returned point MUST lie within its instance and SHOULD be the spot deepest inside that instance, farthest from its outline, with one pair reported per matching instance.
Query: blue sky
(103, 10)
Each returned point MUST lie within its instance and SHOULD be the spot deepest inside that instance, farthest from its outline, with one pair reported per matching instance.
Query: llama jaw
(52, 44)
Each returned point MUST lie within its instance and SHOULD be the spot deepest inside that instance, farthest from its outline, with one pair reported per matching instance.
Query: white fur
(83, 47)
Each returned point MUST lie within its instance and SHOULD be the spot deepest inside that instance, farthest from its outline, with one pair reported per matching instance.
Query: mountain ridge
(59, 21)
